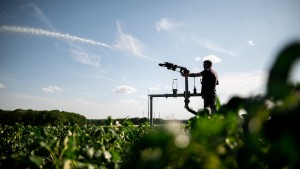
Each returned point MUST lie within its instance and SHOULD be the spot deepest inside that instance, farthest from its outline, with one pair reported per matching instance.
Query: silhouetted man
(209, 82)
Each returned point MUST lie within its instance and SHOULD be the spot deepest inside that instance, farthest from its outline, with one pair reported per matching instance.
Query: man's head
(207, 64)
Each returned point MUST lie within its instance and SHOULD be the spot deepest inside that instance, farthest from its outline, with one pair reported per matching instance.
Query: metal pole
(151, 113)
(186, 93)
(148, 107)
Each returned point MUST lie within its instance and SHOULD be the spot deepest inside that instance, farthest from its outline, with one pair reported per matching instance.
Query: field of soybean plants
(87, 146)
(258, 132)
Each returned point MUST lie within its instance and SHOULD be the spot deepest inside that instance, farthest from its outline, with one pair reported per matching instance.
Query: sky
(100, 58)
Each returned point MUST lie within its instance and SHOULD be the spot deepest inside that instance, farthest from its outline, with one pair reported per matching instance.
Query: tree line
(40, 117)
(56, 117)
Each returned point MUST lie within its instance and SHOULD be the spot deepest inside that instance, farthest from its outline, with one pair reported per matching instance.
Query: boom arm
(174, 67)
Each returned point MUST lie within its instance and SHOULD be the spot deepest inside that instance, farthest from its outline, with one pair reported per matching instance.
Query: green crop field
(67, 146)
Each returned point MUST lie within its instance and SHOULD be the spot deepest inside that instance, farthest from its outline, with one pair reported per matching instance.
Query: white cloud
(2, 86)
(124, 90)
(129, 102)
(41, 16)
(251, 43)
(212, 58)
(127, 43)
(214, 47)
(166, 24)
(38, 12)
(83, 57)
(52, 89)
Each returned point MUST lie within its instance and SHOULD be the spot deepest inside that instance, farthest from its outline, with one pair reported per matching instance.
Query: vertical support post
(148, 108)
(186, 93)
(151, 111)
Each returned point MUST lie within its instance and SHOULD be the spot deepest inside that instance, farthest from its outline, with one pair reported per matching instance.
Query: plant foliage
(265, 136)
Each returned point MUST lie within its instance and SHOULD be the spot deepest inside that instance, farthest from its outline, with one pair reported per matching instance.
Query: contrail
(147, 57)
(42, 32)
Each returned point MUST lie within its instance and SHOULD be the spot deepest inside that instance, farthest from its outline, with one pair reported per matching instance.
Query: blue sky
(100, 58)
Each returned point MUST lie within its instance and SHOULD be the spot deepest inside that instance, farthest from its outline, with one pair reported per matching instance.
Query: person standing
(209, 82)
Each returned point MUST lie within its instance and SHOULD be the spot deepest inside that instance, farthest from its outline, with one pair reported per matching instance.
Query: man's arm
(191, 74)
